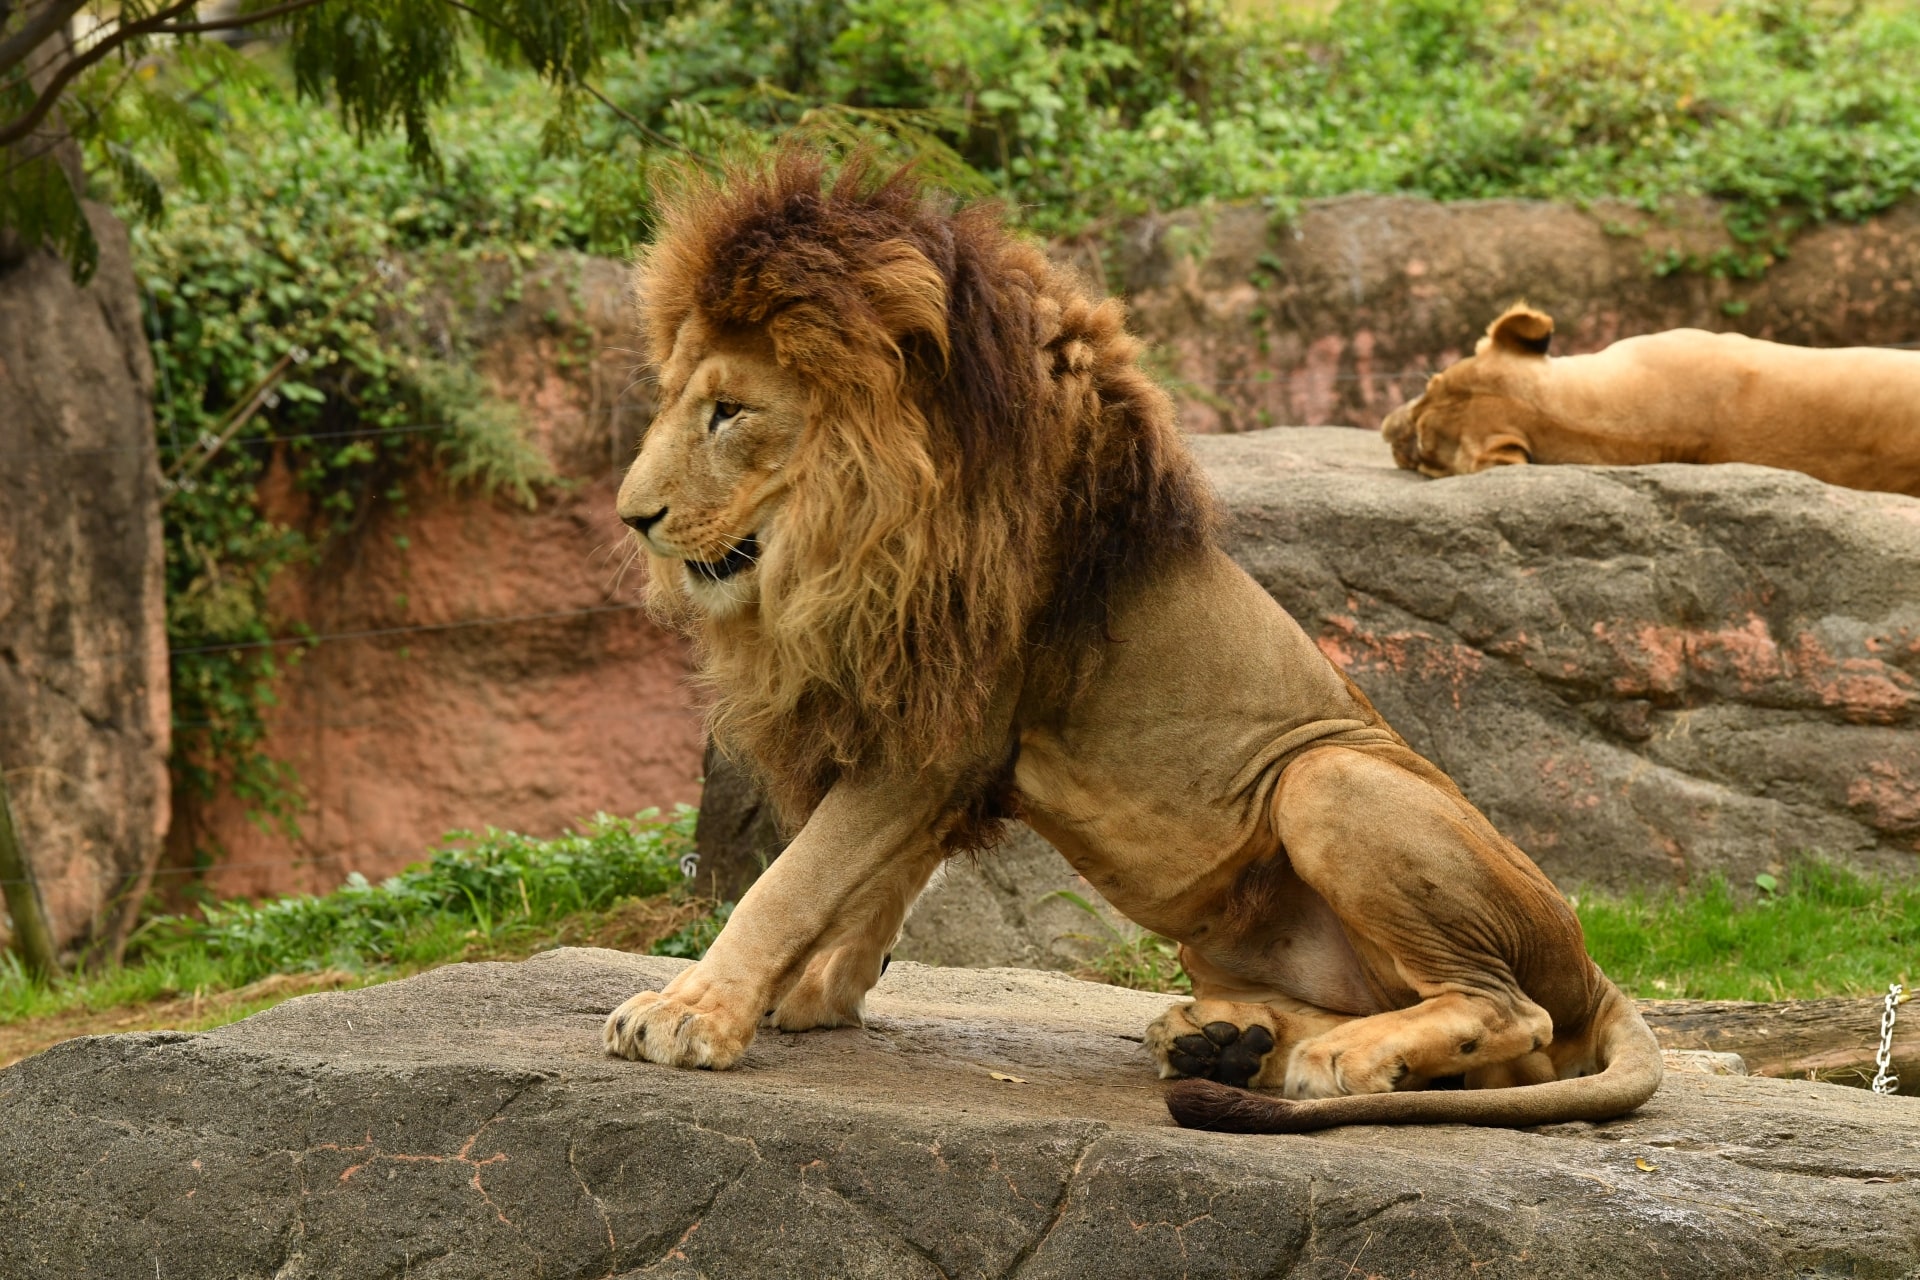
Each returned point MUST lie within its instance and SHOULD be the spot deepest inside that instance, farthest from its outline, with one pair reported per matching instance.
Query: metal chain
(1884, 1080)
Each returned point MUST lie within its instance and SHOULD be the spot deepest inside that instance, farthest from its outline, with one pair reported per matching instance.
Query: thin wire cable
(373, 632)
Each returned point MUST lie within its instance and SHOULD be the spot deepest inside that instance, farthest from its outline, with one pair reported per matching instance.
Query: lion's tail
(1630, 1072)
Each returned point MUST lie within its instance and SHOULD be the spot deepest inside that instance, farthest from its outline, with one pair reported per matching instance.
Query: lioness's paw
(656, 1027)
(1216, 1050)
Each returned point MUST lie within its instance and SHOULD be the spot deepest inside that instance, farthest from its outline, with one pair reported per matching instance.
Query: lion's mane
(984, 466)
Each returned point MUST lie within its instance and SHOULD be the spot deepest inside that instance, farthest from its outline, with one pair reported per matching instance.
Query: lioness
(1849, 416)
(947, 559)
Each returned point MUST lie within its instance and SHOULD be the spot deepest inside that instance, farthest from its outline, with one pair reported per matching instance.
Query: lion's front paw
(659, 1027)
(1217, 1049)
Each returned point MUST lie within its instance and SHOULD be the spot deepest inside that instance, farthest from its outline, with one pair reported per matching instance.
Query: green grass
(1826, 931)
(491, 892)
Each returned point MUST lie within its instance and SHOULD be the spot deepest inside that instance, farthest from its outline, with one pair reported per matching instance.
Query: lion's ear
(1522, 330)
(907, 293)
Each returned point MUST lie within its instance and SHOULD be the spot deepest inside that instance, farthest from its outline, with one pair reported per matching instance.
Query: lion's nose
(640, 524)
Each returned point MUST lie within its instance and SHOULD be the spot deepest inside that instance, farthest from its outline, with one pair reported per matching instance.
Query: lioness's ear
(1522, 330)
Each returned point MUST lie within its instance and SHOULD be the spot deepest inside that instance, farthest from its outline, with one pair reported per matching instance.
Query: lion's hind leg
(1440, 905)
(1489, 1041)
(1233, 1042)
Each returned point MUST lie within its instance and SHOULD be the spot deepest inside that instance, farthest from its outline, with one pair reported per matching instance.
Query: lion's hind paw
(1217, 1050)
(1222, 1052)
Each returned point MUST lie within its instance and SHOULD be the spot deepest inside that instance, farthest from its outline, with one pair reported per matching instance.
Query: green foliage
(384, 65)
(303, 255)
(1128, 957)
(1083, 113)
(1826, 931)
(473, 882)
(490, 887)
(691, 943)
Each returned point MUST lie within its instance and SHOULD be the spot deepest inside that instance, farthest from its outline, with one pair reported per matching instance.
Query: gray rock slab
(1641, 674)
(465, 1124)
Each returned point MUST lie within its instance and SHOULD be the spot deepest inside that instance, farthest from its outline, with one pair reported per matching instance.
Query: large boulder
(1641, 674)
(984, 1124)
(83, 646)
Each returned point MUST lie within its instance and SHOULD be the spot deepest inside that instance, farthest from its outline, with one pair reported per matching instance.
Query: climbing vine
(283, 316)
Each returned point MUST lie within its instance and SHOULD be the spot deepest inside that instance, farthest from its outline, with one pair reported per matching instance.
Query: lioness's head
(1477, 413)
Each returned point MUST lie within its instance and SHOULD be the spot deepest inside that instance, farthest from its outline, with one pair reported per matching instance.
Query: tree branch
(43, 105)
(645, 129)
(241, 20)
(39, 28)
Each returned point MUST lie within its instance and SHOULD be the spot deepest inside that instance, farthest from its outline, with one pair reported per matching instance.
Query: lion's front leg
(813, 927)
(832, 991)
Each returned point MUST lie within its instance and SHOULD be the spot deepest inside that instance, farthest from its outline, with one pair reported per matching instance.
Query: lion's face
(1478, 413)
(706, 491)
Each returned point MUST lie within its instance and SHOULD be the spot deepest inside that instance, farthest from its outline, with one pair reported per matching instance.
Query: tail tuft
(1204, 1104)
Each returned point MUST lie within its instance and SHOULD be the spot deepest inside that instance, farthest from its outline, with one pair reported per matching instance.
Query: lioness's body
(1849, 415)
(926, 603)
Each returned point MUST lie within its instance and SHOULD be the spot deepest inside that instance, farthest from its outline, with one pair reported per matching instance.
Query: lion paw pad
(1221, 1051)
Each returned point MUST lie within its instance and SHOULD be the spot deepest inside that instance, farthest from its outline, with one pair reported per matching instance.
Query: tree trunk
(83, 650)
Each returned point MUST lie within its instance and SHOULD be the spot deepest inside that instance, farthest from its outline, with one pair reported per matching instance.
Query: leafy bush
(691, 943)
(494, 889)
(1081, 113)
(473, 882)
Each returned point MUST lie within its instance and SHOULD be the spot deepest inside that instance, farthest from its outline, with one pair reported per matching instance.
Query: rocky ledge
(986, 1123)
(1641, 674)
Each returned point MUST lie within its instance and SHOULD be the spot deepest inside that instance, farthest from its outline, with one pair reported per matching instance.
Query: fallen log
(1833, 1039)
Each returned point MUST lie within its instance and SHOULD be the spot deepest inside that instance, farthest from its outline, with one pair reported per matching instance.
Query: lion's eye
(724, 411)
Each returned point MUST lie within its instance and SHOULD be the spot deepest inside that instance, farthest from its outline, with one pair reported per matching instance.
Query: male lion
(1849, 415)
(947, 559)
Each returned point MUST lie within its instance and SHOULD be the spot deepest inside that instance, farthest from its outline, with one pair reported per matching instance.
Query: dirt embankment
(537, 695)
(491, 665)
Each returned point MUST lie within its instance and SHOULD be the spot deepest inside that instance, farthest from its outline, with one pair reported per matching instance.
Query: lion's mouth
(745, 554)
